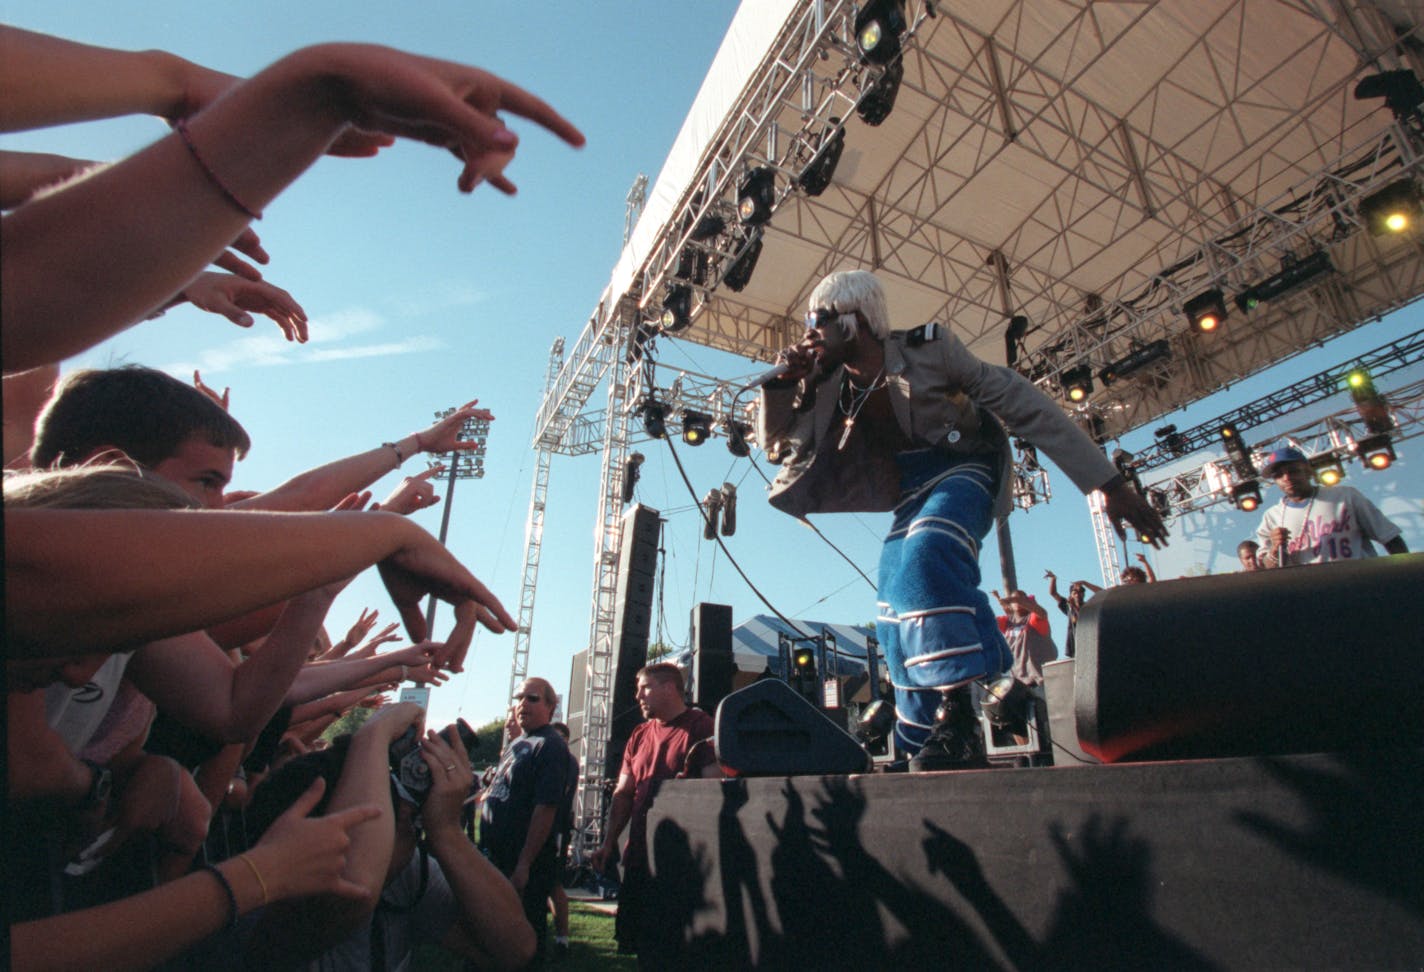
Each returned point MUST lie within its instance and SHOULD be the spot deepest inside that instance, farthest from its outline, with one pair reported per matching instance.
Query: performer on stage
(1317, 524)
(865, 420)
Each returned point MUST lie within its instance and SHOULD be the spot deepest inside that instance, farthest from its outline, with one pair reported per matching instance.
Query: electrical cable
(814, 529)
(721, 543)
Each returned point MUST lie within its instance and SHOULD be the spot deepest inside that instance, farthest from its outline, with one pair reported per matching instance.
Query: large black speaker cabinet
(767, 729)
(574, 714)
(712, 663)
(633, 612)
(1321, 658)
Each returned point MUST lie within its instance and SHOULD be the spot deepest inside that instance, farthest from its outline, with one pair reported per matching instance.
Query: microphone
(765, 377)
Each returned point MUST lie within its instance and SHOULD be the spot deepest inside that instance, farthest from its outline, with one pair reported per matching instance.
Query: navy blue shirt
(533, 772)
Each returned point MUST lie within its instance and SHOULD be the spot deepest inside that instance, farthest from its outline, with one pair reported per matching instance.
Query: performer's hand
(1122, 502)
(799, 359)
(1280, 537)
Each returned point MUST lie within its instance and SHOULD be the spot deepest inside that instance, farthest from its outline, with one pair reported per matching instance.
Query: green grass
(591, 947)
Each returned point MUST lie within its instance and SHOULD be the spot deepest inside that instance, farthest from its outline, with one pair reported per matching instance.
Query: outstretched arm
(71, 587)
(22, 174)
(320, 488)
(153, 221)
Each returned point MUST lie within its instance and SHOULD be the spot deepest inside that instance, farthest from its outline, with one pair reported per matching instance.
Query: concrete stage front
(1286, 862)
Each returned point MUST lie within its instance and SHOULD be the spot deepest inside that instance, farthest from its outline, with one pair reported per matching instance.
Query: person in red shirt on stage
(664, 747)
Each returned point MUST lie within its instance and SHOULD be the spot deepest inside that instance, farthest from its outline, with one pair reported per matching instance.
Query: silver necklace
(858, 397)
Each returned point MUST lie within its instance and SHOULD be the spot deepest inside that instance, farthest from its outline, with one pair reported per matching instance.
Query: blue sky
(421, 298)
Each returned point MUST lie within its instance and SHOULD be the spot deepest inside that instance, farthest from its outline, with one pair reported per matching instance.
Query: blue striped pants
(935, 626)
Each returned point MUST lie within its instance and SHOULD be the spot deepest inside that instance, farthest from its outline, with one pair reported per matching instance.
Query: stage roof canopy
(1091, 167)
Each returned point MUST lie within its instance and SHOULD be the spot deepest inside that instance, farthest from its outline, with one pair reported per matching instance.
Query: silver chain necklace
(858, 397)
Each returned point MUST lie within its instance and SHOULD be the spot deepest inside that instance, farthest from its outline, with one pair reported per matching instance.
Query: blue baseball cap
(1280, 457)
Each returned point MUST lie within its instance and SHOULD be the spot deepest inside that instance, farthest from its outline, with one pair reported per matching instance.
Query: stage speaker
(632, 619)
(767, 729)
(1062, 726)
(574, 714)
(712, 662)
(1319, 658)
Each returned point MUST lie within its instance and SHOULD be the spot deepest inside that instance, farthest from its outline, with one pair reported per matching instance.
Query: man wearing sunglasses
(866, 419)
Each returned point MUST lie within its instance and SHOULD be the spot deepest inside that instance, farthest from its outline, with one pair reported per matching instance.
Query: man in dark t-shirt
(663, 747)
(520, 811)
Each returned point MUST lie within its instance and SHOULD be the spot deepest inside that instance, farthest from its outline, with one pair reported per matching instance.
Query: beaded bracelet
(227, 890)
(181, 127)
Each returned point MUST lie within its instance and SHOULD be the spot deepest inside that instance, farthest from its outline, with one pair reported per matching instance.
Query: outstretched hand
(414, 493)
(222, 399)
(233, 297)
(248, 243)
(444, 435)
(424, 567)
(1122, 502)
(448, 105)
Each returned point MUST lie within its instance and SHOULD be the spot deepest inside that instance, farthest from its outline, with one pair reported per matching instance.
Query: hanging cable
(814, 529)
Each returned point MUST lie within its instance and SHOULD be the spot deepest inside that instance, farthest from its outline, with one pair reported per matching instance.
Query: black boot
(955, 742)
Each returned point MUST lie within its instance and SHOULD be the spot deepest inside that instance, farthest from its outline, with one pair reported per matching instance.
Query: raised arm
(320, 488)
(22, 174)
(131, 236)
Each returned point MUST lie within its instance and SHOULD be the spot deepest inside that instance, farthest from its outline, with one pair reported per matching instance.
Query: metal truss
(1380, 362)
(1335, 434)
(534, 538)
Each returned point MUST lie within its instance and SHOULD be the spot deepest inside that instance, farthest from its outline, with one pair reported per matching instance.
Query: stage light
(1401, 91)
(756, 195)
(729, 509)
(1376, 452)
(1369, 403)
(1291, 277)
(654, 416)
(1236, 449)
(1175, 442)
(630, 475)
(1135, 360)
(739, 274)
(1206, 311)
(878, 100)
(696, 427)
(677, 308)
(1246, 496)
(708, 227)
(1161, 502)
(737, 433)
(878, 27)
(829, 143)
(804, 659)
(1393, 209)
(1077, 383)
(875, 722)
(1013, 337)
(1328, 469)
(712, 506)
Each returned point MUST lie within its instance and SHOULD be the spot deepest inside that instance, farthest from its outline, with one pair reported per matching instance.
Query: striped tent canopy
(754, 644)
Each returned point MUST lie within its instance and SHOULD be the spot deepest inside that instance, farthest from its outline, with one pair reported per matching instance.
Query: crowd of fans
(169, 675)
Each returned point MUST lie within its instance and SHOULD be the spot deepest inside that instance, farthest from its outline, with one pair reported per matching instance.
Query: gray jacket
(943, 397)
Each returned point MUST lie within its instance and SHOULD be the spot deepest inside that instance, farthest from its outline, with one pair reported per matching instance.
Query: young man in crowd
(658, 749)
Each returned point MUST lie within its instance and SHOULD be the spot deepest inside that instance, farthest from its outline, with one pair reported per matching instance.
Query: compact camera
(408, 769)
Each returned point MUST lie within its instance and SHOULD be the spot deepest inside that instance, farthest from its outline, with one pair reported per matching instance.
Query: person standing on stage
(669, 744)
(867, 420)
(1317, 524)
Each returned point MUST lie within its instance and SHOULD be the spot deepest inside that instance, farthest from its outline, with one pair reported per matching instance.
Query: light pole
(460, 464)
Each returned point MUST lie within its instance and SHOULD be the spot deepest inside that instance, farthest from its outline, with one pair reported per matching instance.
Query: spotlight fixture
(878, 100)
(677, 308)
(1247, 496)
(1174, 441)
(1371, 405)
(708, 227)
(712, 506)
(829, 143)
(1291, 277)
(737, 433)
(1206, 311)
(756, 195)
(1401, 91)
(878, 27)
(630, 475)
(729, 509)
(1393, 209)
(1136, 360)
(803, 657)
(1328, 469)
(1236, 449)
(739, 274)
(1376, 452)
(696, 427)
(1013, 338)
(1161, 502)
(1077, 383)
(654, 416)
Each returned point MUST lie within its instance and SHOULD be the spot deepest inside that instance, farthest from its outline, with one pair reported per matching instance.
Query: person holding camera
(428, 883)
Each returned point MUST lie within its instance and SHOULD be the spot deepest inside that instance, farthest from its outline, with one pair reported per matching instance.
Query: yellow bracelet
(255, 873)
